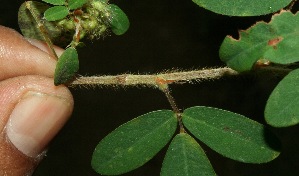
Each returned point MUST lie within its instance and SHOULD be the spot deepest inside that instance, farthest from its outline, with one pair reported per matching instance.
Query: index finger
(18, 57)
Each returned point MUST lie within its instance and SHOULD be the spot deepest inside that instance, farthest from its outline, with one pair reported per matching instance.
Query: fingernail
(35, 120)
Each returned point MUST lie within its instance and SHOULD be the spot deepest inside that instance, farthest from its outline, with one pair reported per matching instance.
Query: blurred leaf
(75, 4)
(67, 66)
(56, 13)
(243, 7)
(55, 2)
(274, 41)
(231, 135)
(282, 106)
(119, 20)
(134, 143)
(185, 157)
(28, 25)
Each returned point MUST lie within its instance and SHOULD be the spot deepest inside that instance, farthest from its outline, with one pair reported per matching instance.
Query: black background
(164, 35)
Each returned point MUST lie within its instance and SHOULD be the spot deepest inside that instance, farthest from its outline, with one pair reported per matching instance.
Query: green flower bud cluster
(93, 19)
(69, 21)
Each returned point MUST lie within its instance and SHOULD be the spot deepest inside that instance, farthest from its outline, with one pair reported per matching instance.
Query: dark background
(163, 35)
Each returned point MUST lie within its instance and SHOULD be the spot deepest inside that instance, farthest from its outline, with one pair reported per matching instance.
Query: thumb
(31, 114)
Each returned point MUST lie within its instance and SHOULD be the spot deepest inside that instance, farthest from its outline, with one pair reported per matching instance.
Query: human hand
(32, 109)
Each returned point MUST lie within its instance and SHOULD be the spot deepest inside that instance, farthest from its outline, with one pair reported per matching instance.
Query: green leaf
(185, 157)
(75, 4)
(67, 66)
(56, 13)
(282, 106)
(118, 20)
(28, 25)
(274, 41)
(232, 135)
(55, 2)
(134, 143)
(243, 7)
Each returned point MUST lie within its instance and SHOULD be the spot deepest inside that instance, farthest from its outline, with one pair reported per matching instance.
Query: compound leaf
(243, 7)
(232, 135)
(56, 13)
(274, 41)
(119, 21)
(185, 157)
(55, 2)
(282, 106)
(75, 4)
(67, 66)
(134, 143)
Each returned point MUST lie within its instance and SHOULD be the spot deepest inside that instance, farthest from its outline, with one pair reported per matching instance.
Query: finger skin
(18, 57)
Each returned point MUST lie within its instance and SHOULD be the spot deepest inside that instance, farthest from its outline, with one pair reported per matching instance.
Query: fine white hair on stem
(167, 77)
(150, 80)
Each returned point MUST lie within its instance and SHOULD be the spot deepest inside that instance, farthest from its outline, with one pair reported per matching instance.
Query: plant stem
(41, 28)
(166, 91)
(162, 81)
(163, 86)
(179, 77)
(174, 108)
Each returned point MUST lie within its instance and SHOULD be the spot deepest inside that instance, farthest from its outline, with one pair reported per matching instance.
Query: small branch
(163, 86)
(161, 81)
(151, 80)
(41, 27)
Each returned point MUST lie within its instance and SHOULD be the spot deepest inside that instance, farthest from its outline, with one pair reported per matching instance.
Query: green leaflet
(75, 4)
(274, 41)
(185, 157)
(67, 66)
(55, 2)
(243, 7)
(232, 135)
(282, 106)
(56, 13)
(119, 21)
(134, 143)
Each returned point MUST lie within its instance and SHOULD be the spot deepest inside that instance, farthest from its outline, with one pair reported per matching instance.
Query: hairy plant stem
(161, 81)
(178, 77)
(163, 86)
(42, 28)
